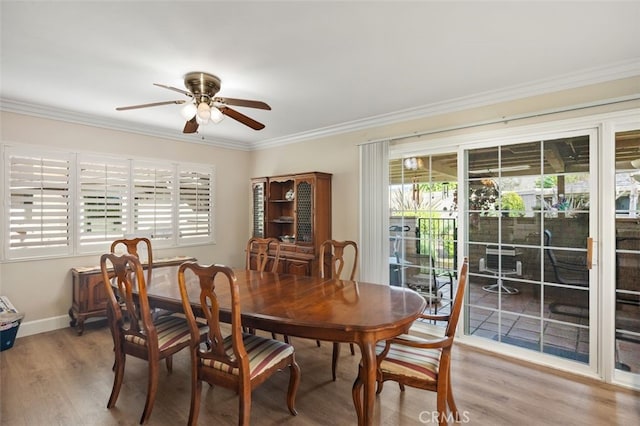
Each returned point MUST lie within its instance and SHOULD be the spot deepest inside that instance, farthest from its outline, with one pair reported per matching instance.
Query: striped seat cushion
(262, 352)
(411, 362)
(172, 330)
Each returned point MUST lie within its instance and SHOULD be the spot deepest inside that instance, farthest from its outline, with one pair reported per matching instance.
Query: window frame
(77, 196)
(96, 243)
(45, 250)
(199, 238)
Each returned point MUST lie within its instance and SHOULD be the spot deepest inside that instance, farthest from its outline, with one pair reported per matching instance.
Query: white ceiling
(322, 66)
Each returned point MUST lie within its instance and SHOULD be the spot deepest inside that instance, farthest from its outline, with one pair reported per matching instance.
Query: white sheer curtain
(374, 212)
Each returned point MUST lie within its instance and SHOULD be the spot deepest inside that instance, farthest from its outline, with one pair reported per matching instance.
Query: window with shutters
(76, 203)
(195, 210)
(153, 211)
(38, 188)
(103, 186)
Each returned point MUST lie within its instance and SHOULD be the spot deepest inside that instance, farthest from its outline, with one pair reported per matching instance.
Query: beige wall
(42, 289)
(339, 154)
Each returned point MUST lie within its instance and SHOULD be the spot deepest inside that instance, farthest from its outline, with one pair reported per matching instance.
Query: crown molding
(41, 111)
(597, 75)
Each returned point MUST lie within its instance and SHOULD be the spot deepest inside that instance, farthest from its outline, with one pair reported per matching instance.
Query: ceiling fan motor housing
(202, 84)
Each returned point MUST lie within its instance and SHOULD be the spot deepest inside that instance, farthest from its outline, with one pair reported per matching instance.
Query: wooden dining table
(310, 307)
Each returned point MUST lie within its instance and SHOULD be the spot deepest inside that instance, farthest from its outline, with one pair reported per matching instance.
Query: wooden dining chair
(238, 361)
(421, 363)
(132, 245)
(137, 334)
(332, 264)
(258, 259)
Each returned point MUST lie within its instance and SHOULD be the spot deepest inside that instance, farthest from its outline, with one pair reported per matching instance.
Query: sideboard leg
(77, 322)
(73, 321)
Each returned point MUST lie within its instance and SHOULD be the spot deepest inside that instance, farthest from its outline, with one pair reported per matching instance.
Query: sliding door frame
(603, 127)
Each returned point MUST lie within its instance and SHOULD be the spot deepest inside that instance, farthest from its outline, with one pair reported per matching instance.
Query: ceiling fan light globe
(189, 111)
(204, 111)
(216, 115)
(201, 121)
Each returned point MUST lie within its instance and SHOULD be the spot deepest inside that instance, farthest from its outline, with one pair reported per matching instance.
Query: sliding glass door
(530, 221)
(626, 342)
(423, 220)
(551, 227)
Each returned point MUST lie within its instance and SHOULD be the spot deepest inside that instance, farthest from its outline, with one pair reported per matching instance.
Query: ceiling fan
(203, 106)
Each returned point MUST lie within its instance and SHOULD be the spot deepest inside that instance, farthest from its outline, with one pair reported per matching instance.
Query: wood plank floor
(58, 378)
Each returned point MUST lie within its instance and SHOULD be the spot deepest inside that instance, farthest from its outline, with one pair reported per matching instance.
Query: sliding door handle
(589, 253)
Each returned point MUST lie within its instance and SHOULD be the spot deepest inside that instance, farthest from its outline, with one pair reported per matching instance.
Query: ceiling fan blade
(154, 104)
(175, 89)
(191, 126)
(242, 102)
(242, 118)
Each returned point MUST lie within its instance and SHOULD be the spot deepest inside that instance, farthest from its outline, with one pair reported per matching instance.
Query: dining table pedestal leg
(367, 377)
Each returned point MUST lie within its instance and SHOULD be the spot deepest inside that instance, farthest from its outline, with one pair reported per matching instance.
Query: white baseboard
(27, 328)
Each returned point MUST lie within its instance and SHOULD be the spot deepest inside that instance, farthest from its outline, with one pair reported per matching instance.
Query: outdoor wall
(571, 232)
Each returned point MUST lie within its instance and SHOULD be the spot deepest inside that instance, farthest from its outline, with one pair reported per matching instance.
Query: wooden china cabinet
(295, 209)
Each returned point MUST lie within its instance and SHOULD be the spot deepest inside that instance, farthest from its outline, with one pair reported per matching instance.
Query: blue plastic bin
(10, 320)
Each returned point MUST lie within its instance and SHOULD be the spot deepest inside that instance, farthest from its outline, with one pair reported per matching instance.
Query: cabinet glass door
(304, 212)
(259, 209)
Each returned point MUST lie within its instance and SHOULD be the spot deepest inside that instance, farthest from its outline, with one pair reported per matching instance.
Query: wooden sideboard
(89, 295)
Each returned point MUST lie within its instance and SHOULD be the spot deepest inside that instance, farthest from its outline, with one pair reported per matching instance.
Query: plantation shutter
(195, 210)
(103, 203)
(39, 203)
(153, 187)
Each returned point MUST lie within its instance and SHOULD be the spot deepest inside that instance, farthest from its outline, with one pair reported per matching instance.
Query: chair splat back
(332, 264)
(258, 248)
(128, 274)
(335, 251)
(206, 278)
(454, 315)
(132, 247)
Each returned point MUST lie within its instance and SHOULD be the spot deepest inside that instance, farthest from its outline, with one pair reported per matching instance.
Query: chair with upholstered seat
(332, 263)
(137, 333)
(240, 361)
(421, 363)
